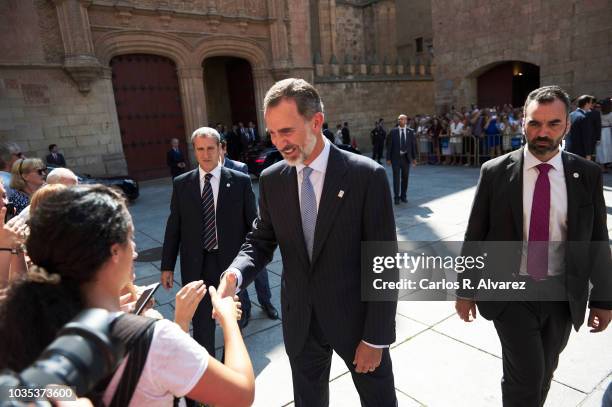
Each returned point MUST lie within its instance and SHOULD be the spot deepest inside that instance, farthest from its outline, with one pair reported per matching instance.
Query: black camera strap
(135, 333)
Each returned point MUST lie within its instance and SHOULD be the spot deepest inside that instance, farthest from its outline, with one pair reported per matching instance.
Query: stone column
(193, 99)
(263, 81)
(79, 59)
(114, 160)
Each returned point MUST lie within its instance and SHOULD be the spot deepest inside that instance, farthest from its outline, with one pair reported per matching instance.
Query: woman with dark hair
(27, 176)
(81, 241)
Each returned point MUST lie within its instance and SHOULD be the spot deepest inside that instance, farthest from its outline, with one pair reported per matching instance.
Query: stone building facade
(69, 71)
(568, 40)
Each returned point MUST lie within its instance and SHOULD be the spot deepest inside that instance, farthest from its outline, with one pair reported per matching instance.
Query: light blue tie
(308, 208)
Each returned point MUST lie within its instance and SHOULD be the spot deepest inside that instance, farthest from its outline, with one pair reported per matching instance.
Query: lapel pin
(228, 185)
(576, 175)
(340, 194)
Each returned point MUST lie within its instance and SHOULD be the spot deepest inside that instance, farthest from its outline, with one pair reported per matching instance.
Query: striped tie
(209, 229)
(308, 208)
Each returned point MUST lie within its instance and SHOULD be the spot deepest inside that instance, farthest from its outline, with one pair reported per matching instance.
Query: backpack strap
(136, 333)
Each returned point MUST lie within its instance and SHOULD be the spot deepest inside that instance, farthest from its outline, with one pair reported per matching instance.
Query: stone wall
(350, 31)
(414, 21)
(568, 41)
(360, 103)
(39, 107)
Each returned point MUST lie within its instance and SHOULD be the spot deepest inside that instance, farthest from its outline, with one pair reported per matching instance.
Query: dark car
(260, 158)
(127, 185)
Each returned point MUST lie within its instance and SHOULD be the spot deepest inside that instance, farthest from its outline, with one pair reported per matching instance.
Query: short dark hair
(52, 146)
(548, 94)
(306, 97)
(584, 99)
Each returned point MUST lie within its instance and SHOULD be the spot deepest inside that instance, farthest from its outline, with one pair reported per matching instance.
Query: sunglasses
(18, 155)
(40, 171)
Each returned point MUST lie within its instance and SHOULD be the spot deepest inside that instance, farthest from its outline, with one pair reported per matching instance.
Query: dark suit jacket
(330, 285)
(581, 138)
(236, 165)
(60, 161)
(497, 215)
(173, 158)
(594, 116)
(236, 211)
(393, 145)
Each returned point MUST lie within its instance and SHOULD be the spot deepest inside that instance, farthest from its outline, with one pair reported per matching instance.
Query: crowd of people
(470, 136)
(66, 247)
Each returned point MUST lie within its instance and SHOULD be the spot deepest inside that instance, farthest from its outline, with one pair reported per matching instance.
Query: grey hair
(303, 93)
(206, 132)
(7, 149)
(548, 94)
(58, 174)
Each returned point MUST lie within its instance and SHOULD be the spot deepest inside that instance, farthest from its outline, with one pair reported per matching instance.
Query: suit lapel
(574, 191)
(335, 182)
(225, 183)
(515, 186)
(194, 185)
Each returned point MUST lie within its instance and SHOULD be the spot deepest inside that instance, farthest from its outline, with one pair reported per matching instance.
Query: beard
(304, 151)
(548, 145)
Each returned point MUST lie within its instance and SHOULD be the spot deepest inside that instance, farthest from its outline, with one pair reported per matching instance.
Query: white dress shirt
(557, 226)
(317, 176)
(214, 183)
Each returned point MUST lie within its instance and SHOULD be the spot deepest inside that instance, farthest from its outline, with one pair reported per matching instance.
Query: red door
(149, 112)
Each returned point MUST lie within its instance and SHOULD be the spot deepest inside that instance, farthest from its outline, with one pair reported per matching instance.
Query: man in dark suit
(327, 133)
(54, 157)
(262, 284)
(401, 152)
(378, 135)
(346, 134)
(540, 195)
(175, 159)
(319, 205)
(582, 139)
(211, 211)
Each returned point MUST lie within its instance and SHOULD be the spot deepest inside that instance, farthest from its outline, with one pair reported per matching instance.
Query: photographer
(81, 242)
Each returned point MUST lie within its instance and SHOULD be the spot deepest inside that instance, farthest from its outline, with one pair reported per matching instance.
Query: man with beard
(536, 195)
(319, 205)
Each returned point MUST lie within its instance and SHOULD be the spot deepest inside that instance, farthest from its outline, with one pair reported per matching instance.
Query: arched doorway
(149, 110)
(507, 82)
(230, 92)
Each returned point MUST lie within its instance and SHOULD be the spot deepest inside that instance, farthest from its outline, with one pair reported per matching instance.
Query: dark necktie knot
(544, 168)
(207, 177)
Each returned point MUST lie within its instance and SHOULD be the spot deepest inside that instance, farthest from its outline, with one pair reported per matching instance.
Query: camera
(82, 354)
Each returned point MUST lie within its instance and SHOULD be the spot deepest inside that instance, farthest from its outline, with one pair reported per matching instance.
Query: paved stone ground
(438, 360)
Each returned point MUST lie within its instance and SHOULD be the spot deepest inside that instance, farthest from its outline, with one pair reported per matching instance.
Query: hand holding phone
(144, 298)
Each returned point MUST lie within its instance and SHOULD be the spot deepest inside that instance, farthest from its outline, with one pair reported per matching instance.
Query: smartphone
(10, 212)
(145, 297)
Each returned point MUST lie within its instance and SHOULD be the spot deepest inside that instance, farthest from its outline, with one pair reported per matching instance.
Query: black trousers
(532, 336)
(203, 323)
(310, 373)
(401, 170)
(377, 150)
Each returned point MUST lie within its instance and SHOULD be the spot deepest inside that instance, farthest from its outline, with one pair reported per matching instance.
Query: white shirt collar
(216, 172)
(531, 160)
(320, 163)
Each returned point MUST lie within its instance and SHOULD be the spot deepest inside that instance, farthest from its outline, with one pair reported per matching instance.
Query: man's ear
(317, 122)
